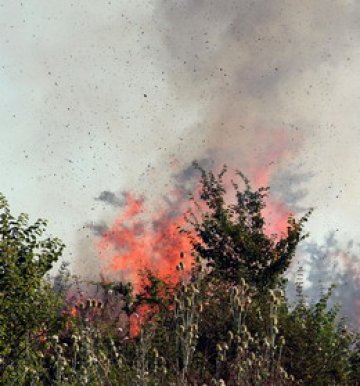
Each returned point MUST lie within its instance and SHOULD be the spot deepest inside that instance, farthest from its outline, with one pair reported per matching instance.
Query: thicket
(226, 322)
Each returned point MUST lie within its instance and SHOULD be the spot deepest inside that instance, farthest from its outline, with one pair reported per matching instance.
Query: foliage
(232, 237)
(26, 301)
(319, 350)
(226, 322)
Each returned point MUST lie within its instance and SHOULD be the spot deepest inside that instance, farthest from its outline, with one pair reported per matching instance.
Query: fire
(276, 212)
(140, 239)
(134, 243)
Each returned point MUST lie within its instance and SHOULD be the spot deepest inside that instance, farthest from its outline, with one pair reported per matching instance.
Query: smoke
(291, 188)
(110, 94)
(272, 84)
(110, 198)
(330, 263)
(265, 80)
(258, 72)
(98, 229)
(104, 97)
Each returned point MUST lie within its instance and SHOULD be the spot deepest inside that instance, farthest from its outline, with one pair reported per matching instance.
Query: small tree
(320, 349)
(232, 237)
(27, 304)
(232, 240)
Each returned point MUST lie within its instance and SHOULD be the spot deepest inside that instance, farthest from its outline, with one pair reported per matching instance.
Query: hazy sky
(102, 95)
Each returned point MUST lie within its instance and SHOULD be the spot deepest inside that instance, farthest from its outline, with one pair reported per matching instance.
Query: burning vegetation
(201, 300)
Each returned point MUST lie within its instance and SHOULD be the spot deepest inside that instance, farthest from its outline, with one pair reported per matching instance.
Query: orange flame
(138, 240)
(134, 243)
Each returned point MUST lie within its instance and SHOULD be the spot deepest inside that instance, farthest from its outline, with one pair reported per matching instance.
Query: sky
(121, 95)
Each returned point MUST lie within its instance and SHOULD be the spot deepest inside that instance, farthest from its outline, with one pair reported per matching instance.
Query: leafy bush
(28, 306)
(232, 237)
(226, 322)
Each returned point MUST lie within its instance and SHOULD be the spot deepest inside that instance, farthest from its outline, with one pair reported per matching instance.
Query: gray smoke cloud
(331, 263)
(271, 79)
(110, 198)
(98, 229)
(103, 97)
(291, 188)
(253, 67)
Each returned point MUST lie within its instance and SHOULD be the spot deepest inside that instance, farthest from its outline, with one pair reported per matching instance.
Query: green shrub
(28, 306)
(226, 322)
